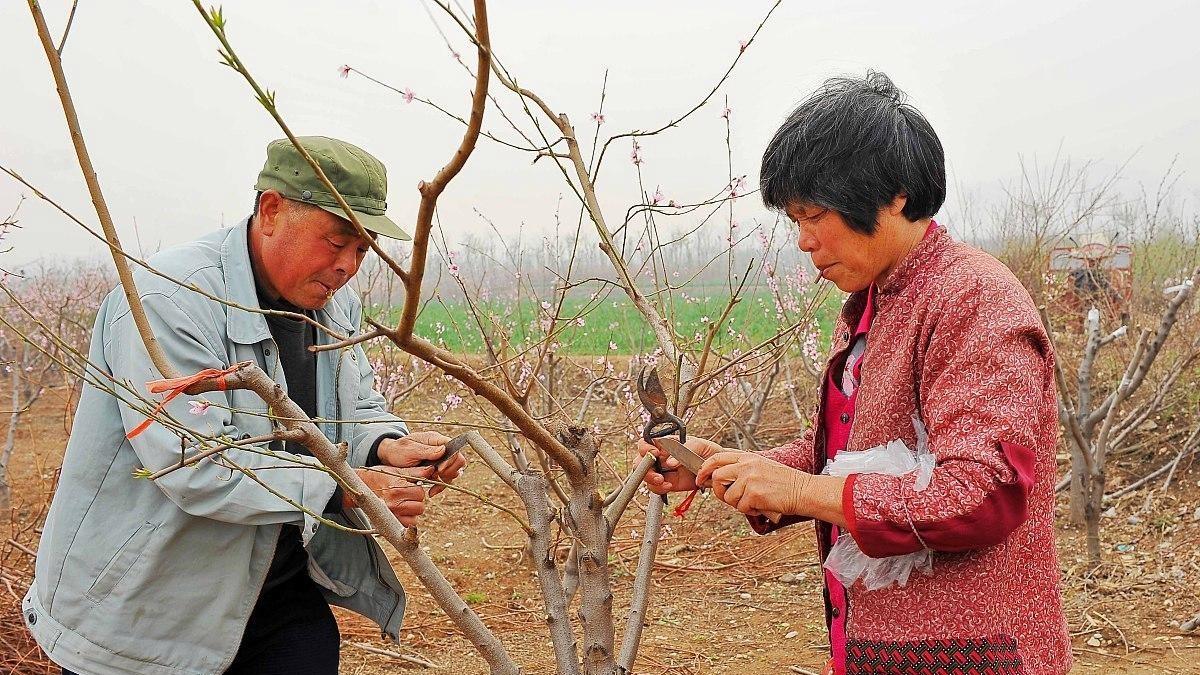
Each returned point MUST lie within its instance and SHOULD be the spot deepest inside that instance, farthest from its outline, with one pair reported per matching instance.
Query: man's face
(305, 253)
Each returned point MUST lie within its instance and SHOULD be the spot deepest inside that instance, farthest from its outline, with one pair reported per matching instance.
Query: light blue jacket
(135, 576)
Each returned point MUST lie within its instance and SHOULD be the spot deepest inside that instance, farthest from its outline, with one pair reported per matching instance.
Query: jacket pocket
(122, 560)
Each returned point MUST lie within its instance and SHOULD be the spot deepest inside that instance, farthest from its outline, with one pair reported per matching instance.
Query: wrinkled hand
(674, 478)
(423, 446)
(755, 485)
(404, 499)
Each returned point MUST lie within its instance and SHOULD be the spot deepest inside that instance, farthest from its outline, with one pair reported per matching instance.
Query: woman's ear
(896, 208)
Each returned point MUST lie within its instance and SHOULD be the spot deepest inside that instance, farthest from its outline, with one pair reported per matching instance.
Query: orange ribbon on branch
(176, 386)
(685, 504)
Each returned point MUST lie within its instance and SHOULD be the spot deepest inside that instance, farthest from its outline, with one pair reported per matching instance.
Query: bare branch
(136, 310)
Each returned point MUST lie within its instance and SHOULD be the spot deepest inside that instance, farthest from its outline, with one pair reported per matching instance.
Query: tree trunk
(10, 438)
(1092, 511)
(1079, 484)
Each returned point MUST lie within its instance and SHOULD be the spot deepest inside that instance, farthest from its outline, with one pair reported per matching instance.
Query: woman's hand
(675, 478)
(756, 485)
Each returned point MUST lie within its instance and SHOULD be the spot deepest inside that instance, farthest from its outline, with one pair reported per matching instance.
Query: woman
(932, 329)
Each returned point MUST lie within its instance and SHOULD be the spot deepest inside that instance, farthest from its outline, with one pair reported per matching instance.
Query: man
(228, 565)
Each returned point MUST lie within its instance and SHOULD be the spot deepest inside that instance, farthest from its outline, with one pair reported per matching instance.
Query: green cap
(360, 178)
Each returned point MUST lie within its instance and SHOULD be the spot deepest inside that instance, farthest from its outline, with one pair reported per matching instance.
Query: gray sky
(178, 139)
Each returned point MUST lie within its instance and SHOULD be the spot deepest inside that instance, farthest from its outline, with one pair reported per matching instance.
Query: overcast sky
(178, 139)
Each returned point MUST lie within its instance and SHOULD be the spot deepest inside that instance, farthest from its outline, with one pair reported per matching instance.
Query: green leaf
(142, 473)
(218, 17)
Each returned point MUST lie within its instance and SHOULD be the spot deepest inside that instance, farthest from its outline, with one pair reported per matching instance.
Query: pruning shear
(663, 424)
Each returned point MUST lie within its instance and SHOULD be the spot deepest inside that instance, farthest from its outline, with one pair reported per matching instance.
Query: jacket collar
(243, 327)
(926, 251)
(251, 327)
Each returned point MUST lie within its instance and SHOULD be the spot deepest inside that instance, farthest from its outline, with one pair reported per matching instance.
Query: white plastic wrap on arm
(846, 560)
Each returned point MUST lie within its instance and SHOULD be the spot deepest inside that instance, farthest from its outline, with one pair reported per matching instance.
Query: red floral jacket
(956, 339)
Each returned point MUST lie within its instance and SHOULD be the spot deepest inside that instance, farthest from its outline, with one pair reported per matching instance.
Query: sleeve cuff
(848, 505)
(335, 501)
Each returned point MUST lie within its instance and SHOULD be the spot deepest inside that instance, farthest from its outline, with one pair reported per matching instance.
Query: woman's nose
(806, 242)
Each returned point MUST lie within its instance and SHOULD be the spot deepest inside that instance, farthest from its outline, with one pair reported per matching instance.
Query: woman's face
(848, 258)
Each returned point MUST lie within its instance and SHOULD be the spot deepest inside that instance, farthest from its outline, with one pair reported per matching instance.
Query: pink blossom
(742, 46)
(658, 196)
(612, 346)
(672, 204)
(344, 71)
(736, 187)
(726, 113)
(545, 305)
(598, 118)
(454, 270)
(408, 95)
(636, 154)
(198, 407)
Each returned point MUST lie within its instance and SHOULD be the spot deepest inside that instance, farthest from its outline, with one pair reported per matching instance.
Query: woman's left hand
(753, 484)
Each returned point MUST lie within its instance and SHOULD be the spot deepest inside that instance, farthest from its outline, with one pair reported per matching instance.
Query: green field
(611, 321)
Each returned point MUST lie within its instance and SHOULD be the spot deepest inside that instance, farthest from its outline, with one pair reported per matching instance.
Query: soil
(724, 600)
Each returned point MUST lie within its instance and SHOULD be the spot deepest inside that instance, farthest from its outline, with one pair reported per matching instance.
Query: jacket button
(266, 351)
(32, 618)
(314, 527)
(835, 613)
(846, 336)
(845, 418)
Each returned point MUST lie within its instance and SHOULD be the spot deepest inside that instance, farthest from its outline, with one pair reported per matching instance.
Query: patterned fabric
(956, 338)
(963, 656)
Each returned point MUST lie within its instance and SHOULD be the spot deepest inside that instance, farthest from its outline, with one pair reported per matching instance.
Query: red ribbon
(685, 504)
(176, 386)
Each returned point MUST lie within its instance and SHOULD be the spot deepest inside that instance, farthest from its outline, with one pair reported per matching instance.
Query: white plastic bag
(846, 561)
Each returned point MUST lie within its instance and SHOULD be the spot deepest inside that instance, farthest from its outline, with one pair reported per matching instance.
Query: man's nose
(348, 261)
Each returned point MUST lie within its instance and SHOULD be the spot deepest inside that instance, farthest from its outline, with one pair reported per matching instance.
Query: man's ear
(271, 207)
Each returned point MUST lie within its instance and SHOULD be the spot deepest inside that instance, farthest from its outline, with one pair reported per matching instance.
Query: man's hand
(423, 447)
(403, 498)
(675, 478)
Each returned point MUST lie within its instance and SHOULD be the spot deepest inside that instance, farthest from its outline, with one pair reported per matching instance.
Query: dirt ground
(724, 600)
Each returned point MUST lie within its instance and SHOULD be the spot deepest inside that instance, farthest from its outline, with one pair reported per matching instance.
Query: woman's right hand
(675, 478)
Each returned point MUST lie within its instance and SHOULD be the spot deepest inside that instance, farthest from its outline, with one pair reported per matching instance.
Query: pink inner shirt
(838, 419)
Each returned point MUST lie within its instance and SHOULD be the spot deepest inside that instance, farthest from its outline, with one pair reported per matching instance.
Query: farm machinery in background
(1094, 270)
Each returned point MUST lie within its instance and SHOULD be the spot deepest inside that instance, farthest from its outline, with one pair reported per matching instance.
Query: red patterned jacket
(956, 339)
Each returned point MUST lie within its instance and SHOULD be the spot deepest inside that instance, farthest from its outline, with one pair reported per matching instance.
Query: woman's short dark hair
(853, 146)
